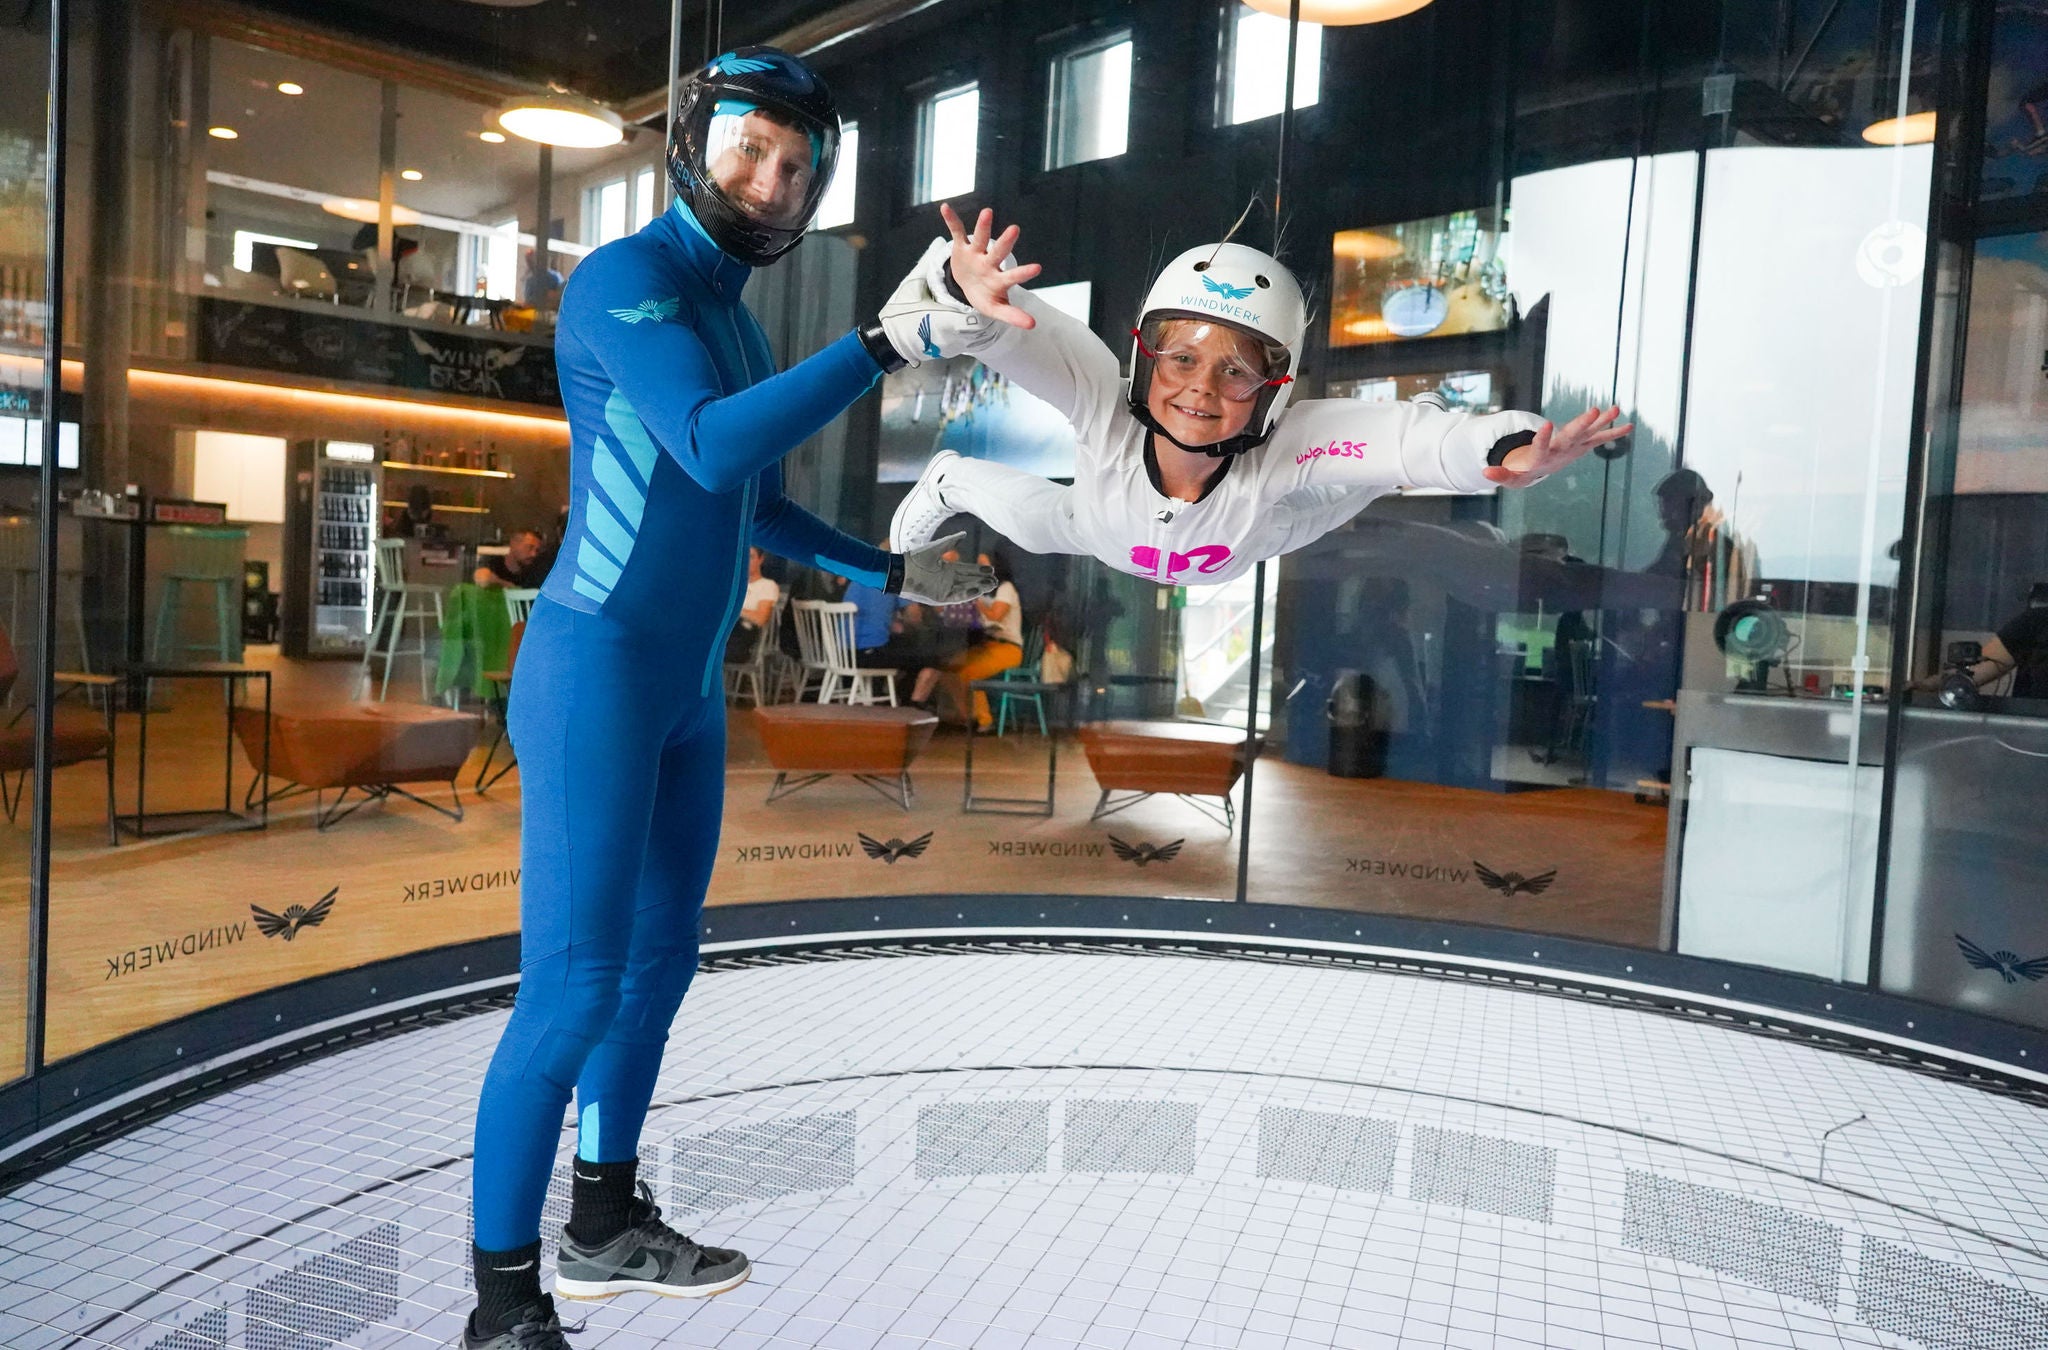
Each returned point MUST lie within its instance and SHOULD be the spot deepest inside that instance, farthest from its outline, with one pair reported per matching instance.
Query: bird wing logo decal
(891, 849)
(1225, 289)
(657, 310)
(288, 924)
(1513, 883)
(924, 335)
(743, 65)
(2008, 964)
(1143, 853)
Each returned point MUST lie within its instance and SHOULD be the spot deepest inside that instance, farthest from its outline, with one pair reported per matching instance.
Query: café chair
(768, 657)
(1028, 672)
(74, 739)
(836, 621)
(399, 602)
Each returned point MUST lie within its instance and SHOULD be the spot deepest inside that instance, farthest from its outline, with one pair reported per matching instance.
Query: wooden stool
(1188, 759)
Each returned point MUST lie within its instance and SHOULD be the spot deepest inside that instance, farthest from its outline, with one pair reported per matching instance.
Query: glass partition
(24, 91)
(1643, 702)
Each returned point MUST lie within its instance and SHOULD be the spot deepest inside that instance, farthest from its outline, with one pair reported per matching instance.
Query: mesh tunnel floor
(1116, 1150)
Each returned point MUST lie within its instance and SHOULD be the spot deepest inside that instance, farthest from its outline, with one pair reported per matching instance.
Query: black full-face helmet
(746, 123)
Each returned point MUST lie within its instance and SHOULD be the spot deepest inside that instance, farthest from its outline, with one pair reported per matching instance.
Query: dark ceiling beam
(858, 18)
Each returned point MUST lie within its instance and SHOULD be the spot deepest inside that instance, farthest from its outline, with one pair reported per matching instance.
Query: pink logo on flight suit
(1205, 558)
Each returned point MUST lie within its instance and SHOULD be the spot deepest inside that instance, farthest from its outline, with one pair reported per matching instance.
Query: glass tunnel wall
(24, 144)
(1653, 702)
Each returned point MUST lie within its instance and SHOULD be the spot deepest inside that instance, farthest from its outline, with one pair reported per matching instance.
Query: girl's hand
(978, 266)
(1555, 446)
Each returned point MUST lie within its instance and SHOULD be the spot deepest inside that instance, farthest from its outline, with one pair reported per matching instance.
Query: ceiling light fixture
(356, 209)
(1912, 129)
(287, 87)
(492, 137)
(1364, 246)
(562, 119)
(1338, 13)
(411, 175)
(223, 133)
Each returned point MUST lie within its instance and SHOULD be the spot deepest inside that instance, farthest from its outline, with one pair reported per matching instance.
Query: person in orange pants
(1001, 646)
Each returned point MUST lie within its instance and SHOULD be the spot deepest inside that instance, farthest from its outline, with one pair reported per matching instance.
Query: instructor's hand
(977, 262)
(930, 579)
(1555, 447)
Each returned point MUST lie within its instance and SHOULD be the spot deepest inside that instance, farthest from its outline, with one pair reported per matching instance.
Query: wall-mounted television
(21, 443)
(1473, 391)
(1436, 277)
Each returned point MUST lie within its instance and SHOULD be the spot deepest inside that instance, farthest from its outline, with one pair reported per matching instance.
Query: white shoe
(917, 520)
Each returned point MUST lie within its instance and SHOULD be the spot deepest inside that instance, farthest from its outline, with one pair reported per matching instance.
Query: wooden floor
(156, 929)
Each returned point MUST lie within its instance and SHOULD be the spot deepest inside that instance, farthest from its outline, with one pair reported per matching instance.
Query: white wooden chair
(766, 663)
(836, 620)
(810, 645)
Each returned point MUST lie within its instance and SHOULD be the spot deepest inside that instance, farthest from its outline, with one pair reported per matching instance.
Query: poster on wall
(1421, 278)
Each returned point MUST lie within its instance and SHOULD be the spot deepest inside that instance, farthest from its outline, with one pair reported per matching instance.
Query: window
(246, 241)
(837, 207)
(948, 126)
(604, 212)
(1258, 60)
(643, 198)
(1089, 113)
(500, 262)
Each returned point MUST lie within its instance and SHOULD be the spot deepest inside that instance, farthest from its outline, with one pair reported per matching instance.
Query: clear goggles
(1177, 357)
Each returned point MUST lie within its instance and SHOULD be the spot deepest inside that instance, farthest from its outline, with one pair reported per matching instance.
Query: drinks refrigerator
(331, 542)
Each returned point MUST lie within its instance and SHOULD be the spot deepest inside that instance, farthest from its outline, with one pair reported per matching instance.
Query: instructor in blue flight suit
(677, 427)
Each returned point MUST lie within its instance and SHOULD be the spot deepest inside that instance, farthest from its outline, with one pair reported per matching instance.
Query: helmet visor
(764, 162)
(1235, 363)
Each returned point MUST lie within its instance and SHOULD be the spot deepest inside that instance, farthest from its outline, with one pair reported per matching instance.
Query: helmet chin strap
(1236, 445)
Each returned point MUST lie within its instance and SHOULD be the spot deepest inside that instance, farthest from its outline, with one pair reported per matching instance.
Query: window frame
(1055, 66)
(1231, 14)
(928, 99)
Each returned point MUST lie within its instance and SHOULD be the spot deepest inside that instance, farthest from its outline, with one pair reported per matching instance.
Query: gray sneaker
(537, 1329)
(649, 1256)
(923, 509)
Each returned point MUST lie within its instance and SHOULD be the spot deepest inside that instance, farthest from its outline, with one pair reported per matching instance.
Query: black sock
(506, 1284)
(600, 1199)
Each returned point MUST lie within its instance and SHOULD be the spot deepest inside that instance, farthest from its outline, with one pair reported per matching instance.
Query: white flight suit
(1326, 460)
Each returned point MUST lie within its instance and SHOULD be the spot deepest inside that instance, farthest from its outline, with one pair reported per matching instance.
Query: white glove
(924, 321)
(930, 580)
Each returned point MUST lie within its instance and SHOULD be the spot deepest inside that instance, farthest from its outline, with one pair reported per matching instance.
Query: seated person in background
(1001, 646)
(543, 288)
(523, 566)
(762, 593)
(2019, 646)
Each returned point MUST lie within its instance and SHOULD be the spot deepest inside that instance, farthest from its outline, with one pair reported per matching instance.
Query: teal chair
(1027, 673)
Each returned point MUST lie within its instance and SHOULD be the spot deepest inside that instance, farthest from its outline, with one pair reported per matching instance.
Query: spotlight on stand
(1958, 686)
(1751, 631)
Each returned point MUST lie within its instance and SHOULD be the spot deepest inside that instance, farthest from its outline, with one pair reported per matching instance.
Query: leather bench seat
(361, 744)
(1190, 758)
(836, 738)
(874, 745)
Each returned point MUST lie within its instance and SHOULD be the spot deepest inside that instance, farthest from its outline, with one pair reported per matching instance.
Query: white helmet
(1250, 291)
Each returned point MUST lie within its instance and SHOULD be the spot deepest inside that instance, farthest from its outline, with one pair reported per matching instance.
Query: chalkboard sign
(342, 346)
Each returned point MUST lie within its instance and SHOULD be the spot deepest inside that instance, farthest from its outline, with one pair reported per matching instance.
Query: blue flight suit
(677, 426)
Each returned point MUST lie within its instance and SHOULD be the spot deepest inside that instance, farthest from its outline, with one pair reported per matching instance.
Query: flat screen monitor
(21, 443)
(1436, 277)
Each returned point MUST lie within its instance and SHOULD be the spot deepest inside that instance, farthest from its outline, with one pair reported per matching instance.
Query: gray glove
(930, 580)
(924, 322)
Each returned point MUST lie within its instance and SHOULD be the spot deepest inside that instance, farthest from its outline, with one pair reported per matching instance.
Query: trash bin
(1358, 743)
